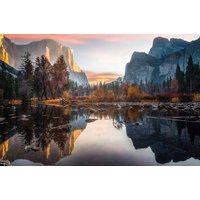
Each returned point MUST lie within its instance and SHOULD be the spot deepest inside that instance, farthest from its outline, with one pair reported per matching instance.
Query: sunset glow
(101, 77)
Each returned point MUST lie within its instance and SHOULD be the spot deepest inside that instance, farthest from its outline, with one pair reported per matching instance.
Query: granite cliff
(11, 54)
(161, 61)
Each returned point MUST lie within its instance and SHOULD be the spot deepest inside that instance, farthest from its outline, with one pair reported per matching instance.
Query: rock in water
(31, 148)
(5, 163)
(2, 119)
(90, 120)
(138, 123)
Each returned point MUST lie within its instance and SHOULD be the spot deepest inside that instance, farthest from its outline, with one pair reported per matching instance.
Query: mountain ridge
(163, 47)
(146, 68)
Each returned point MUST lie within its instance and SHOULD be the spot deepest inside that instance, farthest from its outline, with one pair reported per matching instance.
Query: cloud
(62, 38)
(94, 77)
(85, 38)
(76, 38)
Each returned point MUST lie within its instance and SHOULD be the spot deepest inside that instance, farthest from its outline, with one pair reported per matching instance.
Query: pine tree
(164, 85)
(189, 74)
(196, 78)
(27, 66)
(179, 75)
(9, 89)
(43, 70)
(26, 77)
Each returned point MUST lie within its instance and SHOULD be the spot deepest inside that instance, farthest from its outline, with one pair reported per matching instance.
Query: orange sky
(74, 38)
(106, 77)
(83, 38)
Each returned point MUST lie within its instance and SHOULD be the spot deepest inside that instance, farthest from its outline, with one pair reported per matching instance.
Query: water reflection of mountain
(3, 149)
(45, 134)
(169, 140)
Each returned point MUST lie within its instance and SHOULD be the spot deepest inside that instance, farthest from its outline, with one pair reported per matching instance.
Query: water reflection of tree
(118, 125)
(104, 113)
(45, 124)
(120, 116)
(180, 126)
(109, 113)
(133, 115)
(193, 130)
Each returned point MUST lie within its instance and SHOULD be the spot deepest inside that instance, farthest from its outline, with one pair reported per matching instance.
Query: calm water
(44, 135)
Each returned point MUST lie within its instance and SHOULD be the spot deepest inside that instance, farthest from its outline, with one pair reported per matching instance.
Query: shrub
(175, 100)
(66, 94)
(110, 96)
(196, 98)
(98, 95)
(15, 102)
(134, 93)
(185, 98)
(163, 97)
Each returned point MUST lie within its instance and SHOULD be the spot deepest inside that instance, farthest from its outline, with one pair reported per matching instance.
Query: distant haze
(102, 56)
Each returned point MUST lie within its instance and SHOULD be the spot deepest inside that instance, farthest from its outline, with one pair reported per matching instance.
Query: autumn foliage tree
(134, 93)
(110, 96)
(59, 78)
(98, 95)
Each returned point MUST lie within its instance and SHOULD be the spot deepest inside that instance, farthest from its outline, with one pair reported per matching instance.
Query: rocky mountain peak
(163, 47)
(139, 55)
(160, 42)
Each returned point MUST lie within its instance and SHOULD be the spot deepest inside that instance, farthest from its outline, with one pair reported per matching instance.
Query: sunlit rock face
(11, 53)
(161, 61)
(3, 53)
(3, 149)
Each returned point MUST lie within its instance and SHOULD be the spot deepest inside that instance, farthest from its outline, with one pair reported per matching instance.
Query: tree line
(184, 81)
(44, 80)
(188, 81)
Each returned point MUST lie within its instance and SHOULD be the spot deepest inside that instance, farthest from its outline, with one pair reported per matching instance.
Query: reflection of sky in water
(101, 144)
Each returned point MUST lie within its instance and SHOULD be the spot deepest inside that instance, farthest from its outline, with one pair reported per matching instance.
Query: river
(110, 136)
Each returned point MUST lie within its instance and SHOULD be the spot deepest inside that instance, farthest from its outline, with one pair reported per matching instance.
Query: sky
(102, 56)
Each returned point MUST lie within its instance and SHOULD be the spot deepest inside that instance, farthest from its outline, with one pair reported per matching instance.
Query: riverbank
(85, 103)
